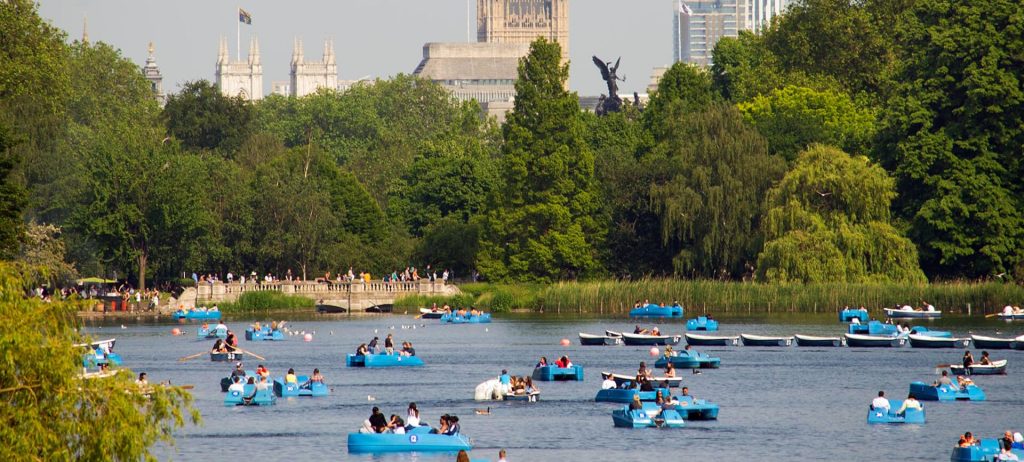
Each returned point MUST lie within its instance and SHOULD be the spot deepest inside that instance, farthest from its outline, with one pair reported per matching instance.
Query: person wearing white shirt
(220, 326)
(237, 386)
(502, 456)
(608, 383)
(880, 402)
(909, 403)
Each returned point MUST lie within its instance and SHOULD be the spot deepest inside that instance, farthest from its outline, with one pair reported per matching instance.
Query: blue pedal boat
(702, 323)
(889, 416)
(552, 373)
(212, 315)
(651, 310)
(208, 333)
(226, 381)
(97, 358)
(986, 451)
(689, 359)
(452, 318)
(696, 409)
(418, 439)
(303, 388)
(926, 392)
(382, 360)
(848, 314)
(250, 397)
(642, 418)
(265, 333)
(872, 328)
(926, 332)
(625, 395)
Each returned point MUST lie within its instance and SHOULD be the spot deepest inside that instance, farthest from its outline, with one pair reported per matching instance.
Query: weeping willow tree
(828, 221)
(718, 169)
(49, 411)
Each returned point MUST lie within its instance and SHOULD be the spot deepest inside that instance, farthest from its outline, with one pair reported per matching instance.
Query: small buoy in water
(654, 351)
(487, 329)
(175, 331)
(370, 398)
(308, 337)
(332, 332)
(123, 326)
(565, 342)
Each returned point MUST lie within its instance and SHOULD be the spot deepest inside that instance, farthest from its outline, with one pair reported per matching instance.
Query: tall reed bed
(703, 295)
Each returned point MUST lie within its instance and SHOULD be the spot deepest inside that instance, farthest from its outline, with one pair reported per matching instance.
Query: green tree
(718, 170)
(828, 221)
(203, 118)
(12, 201)
(52, 413)
(540, 225)
(793, 118)
(953, 135)
(682, 84)
(743, 68)
(44, 256)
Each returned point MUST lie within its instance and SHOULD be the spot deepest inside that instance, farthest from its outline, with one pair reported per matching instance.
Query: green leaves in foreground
(828, 221)
(49, 412)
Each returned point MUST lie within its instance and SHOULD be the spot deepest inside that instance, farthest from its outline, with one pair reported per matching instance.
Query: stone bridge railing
(373, 292)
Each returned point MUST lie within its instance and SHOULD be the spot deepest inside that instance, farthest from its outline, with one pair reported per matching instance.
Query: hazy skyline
(372, 38)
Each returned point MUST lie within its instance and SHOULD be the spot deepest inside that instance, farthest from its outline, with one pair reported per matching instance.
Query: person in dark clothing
(378, 422)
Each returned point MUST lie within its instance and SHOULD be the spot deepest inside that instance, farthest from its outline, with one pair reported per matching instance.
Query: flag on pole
(244, 16)
(684, 8)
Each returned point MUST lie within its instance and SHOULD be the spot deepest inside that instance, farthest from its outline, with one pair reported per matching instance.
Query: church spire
(254, 50)
(222, 53)
(329, 52)
(85, 30)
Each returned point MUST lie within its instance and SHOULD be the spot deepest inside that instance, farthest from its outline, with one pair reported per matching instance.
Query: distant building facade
(522, 21)
(240, 78)
(485, 72)
(152, 73)
(307, 77)
(697, 25)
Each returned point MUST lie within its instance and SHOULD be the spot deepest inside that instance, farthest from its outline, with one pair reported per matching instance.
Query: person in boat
(236, 385)
(255, 388)
(238, 371)
(685, 393)
(262, 371)
(389, 344)
(290, 376)
(608, 383)
(670, 372)
(669, 352)
(909, 403)
(968, 360)
(529, 387)
(220, 346)
(880, 403)
(1006, 450)
(638, 331)
(655, 331)
(854, 320)
(566, 363)
(964, 382)
(518, 386)
(378, 423)
(943, 380)
(263, 384)
(230, 342)
(220, 326)
(985, 360)
(396, 425)
(927, 306)
(256, 327)
(643, 370)
(635, 404)
(1007, 310)
(542, 363)
(362, 350)
(142, 381)
(453, 426)
(407, 349)
(206, 326)
(967, 440)
(315, 378)
(462, 456)
(645, 384)
(373, 345)
(505, 380)
(501, 455)
(412, 417)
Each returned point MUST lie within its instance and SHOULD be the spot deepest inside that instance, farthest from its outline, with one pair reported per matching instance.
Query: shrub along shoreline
(614, 297)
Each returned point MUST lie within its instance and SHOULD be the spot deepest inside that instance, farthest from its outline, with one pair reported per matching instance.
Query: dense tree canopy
(828, 220)
(202, 118)
(541, 225)
(954, 135)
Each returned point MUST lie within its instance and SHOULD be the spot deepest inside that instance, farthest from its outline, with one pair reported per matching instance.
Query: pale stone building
(152, 73)
(307, 77)
(522, 21)
(240, 78)
(697, 25)
(485, 72)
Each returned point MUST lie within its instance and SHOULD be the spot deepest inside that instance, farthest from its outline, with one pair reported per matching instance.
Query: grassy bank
(268, 300)
(715, 296)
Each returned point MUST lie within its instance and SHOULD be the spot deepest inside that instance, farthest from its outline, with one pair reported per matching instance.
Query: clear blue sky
(375, 38)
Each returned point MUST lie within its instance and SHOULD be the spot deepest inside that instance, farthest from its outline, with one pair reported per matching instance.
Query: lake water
(776, 403)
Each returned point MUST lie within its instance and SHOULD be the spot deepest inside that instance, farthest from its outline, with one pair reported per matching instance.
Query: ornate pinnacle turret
(222, 53)
(254, 51)
(85, 30)
(329, 52)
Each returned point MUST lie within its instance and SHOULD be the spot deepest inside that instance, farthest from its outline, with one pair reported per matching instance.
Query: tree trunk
(142, 272)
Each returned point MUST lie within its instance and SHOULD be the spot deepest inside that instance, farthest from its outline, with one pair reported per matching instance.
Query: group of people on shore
(374, 347)
(377, 423)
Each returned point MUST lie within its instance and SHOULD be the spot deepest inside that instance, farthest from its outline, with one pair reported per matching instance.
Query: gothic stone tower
(240, 78)
(307, 77)
(152, 73)
(522, 21)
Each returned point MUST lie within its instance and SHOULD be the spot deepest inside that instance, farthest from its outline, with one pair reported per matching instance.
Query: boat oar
(254, 355)
(186, 358)
(991, 315)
